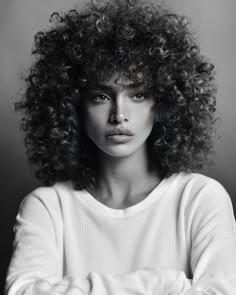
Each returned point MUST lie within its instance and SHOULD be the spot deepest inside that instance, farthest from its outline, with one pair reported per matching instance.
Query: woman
(119, 113)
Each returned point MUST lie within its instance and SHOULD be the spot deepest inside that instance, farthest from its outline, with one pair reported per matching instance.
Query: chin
(121, 151)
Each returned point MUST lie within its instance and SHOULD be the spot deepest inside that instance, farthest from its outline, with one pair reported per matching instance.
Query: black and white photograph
(118, 147)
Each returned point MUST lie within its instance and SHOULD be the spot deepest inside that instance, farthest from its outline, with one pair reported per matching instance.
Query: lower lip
(119, 138)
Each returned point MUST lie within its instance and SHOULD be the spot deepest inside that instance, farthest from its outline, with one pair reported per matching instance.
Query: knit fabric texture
(180, 239)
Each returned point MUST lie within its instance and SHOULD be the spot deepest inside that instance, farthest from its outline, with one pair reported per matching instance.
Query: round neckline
(93, 204)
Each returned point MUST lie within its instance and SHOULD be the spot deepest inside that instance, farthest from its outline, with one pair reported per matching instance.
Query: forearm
(149, 280)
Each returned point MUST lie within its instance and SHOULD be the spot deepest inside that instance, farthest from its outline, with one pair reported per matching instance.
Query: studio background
(213, 20)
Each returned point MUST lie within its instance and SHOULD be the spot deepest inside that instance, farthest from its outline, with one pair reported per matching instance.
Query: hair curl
(147, 43)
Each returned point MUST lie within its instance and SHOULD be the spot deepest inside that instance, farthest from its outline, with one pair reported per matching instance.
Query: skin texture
(112, 112)
(112, 107)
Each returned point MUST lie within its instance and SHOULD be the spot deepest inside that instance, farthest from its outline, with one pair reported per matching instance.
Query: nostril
(117, 118)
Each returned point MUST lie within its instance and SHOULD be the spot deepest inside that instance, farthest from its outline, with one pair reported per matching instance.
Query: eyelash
(140, 94)
(97, 98)
(100, 98)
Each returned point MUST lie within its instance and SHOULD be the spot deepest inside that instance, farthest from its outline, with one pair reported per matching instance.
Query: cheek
(148, 117)
(93, 123)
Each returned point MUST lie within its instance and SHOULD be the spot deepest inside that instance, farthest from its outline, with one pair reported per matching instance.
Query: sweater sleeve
(210, 226)
(35, 270)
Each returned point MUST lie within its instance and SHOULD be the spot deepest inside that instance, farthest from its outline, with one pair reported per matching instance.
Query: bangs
(104, 65)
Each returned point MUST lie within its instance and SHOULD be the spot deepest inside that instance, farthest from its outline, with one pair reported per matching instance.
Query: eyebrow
(106, 87)
(132, 85)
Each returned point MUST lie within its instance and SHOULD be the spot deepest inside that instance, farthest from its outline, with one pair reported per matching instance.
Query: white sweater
(180, 239)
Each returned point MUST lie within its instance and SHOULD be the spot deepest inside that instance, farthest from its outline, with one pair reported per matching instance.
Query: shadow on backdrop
(20, 20)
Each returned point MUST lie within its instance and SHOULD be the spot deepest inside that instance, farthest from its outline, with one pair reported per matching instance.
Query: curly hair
(148, 43)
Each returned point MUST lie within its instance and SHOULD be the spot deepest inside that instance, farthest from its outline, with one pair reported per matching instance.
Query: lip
(118, 138)
(119, 131)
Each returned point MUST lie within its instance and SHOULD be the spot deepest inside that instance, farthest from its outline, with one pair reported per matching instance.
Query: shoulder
(196, 182)
(48, 199)
(196, 179)
(206, 208)
(204, 198)
(199, 190)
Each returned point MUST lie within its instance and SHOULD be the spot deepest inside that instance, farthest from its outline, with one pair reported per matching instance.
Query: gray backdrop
(214, 21)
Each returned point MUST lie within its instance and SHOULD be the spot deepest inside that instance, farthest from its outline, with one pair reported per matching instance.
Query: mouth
(119, 135)
(119, 132)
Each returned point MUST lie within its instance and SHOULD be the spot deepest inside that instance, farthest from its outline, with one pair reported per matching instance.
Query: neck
(125, 180)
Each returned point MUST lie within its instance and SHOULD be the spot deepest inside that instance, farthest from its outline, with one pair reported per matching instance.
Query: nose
(119, 112)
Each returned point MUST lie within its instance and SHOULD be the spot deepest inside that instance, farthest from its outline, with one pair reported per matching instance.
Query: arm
(211, 227)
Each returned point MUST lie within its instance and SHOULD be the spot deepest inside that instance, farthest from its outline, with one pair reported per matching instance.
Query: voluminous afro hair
(148, 44)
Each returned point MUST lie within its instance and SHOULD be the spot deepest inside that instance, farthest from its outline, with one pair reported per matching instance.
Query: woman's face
(118, 116)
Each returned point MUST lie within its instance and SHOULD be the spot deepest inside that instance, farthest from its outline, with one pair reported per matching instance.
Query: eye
(100, 98)
(139, 96)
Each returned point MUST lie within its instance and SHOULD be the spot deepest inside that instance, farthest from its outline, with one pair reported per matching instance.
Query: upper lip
(119, 131)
